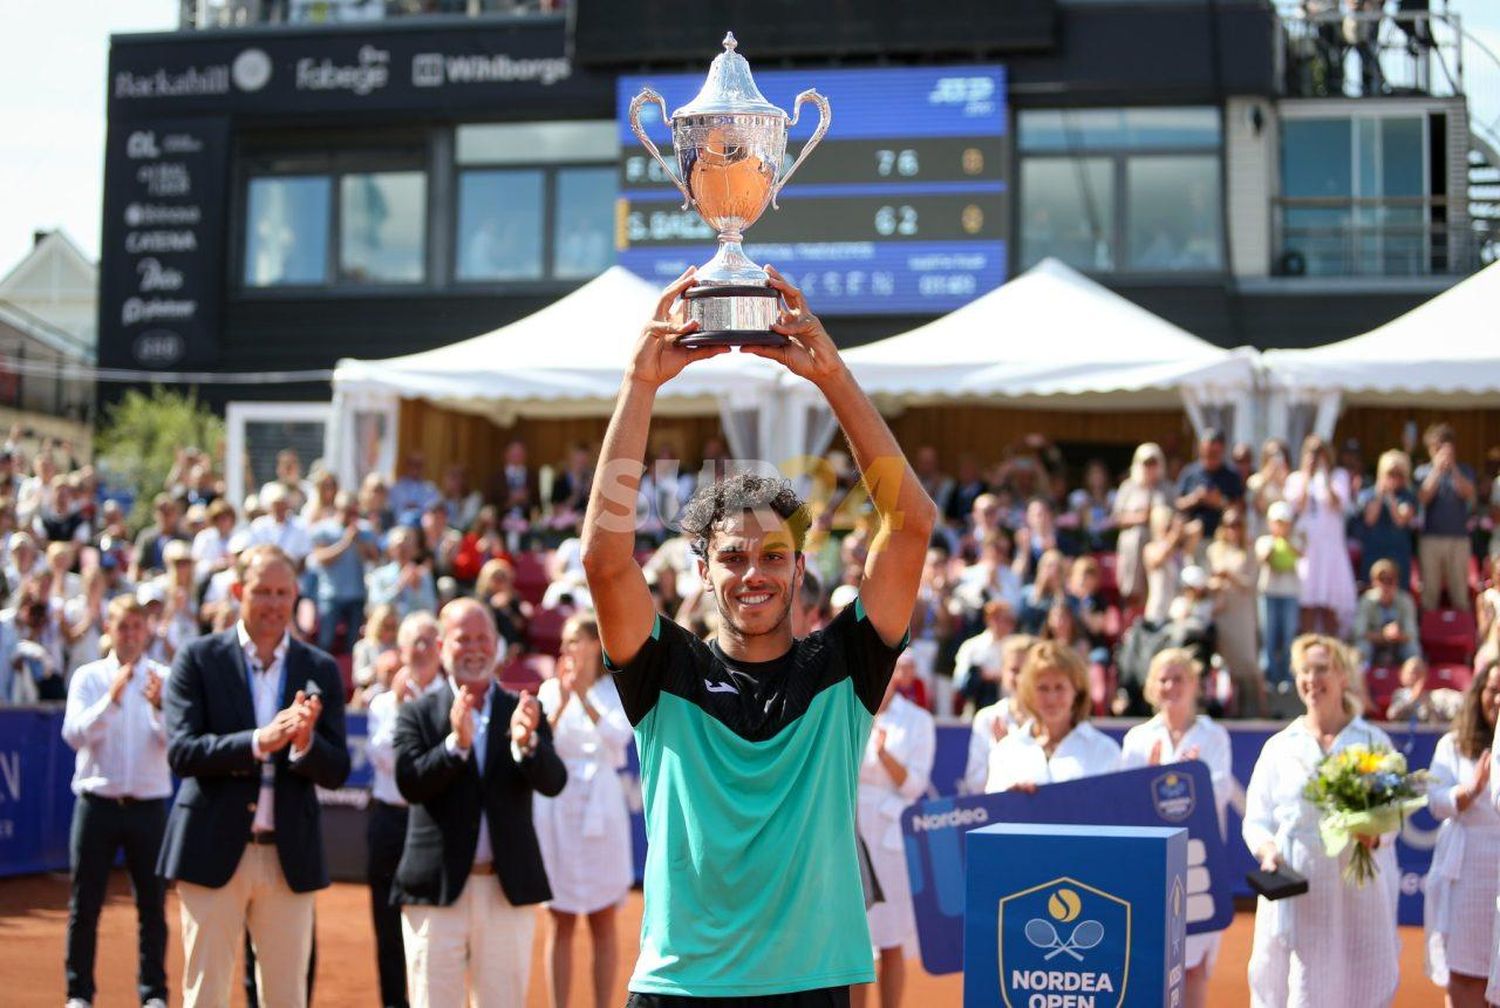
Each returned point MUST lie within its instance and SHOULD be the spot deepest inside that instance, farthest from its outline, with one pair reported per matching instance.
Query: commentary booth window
(1122, 190)
(316, 219)
(535, 201)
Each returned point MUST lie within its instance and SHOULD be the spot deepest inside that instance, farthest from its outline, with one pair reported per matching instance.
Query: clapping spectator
(153, 539)
(322, 504)
(1173, 542)
(938, 484)
(483, 542)
(404, 582)
(496, 588)
(1318, 493)
(343, 546)
(1136, 500)
(1038, 535)
(289, 479)
(570, 489)
(1446, 490)
(280, 526)
(461, 503)
(440, 541)
(1233, 573)
(1091, 506)
(379, 639)
(1206, 487)
(1038, 598)
(1387, 512)
(1088, 606)
(61, 518)
(989, 578)
(1385, 627)
(977, 666)
(211, 546)
(413, 491)
(999, 719)
(1416, 702)
(31, 644)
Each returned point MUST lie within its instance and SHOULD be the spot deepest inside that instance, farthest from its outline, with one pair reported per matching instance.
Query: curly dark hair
(735, 495)
(1474, 733)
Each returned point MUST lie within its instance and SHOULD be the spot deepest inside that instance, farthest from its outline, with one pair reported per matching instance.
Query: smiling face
(469, 644)
(1321, 679)
(1489, 697)
(1052, 699)
(754, 572)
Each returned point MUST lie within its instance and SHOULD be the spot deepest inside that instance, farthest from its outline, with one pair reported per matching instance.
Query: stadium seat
(544, 632)
(1109, 583)
(526, 672)
(1450, 676)
(1381, 683)
(531, 576)
(1447, 636)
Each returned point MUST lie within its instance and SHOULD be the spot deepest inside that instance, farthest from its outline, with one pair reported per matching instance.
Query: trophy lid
(729, 89)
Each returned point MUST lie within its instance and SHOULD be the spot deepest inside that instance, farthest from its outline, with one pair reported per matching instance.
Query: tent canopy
(564, 360)
(1445, 351)
(1048, 333)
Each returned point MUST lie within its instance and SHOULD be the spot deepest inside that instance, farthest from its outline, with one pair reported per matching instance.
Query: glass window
(533, 143)
(1173, 213)
(286, 231)
(1316, 157)
(1402, 154)
(500, 226)
(382, 227)
(583, 239)
(1119, 129)
(1068, 210)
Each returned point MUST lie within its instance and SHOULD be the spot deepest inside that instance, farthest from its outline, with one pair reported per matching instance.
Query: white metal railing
(244, 13)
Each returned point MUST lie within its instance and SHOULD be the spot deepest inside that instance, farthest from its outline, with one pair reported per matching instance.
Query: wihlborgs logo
(1174, 796)
(1064, 942)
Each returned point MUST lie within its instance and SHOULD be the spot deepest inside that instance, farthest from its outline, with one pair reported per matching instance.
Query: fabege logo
(1064, 943)
(1174, 796)
(251, 70)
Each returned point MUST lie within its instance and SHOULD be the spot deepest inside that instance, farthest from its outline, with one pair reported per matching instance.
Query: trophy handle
(648, 95)
(825, 116)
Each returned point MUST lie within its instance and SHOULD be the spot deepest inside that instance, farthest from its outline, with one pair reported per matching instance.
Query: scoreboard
(901, 209)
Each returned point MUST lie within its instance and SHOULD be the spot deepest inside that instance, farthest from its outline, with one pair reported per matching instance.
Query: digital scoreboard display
(901, 209)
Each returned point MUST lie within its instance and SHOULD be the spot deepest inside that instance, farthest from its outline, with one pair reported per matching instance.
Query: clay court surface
(34, 914)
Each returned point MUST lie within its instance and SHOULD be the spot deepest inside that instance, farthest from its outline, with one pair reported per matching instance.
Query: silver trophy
(730, 143)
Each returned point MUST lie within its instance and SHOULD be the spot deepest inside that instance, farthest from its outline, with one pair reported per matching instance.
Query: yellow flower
(1369, 762)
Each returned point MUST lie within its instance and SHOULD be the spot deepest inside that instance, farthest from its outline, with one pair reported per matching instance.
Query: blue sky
(52, 79)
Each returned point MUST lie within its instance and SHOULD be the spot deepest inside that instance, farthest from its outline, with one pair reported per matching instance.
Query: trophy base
(739, 315)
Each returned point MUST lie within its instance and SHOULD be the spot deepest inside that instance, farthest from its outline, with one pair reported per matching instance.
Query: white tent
(565, 360)
(1053, 338)
(1445, 352)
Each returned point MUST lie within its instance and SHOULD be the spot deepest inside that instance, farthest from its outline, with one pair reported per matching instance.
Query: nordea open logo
(1064, 944)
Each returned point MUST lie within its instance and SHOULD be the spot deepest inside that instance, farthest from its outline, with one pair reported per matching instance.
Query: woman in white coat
(584, 832)
(896, 771)
(1459, 913)
(1178, 732)
(1337, 944)
(1057, 744)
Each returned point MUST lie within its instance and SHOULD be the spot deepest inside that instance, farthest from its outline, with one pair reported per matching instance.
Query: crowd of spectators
(1227, 555)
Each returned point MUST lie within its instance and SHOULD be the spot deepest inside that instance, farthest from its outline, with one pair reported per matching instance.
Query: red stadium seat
(544, 632)
(526, 672)
(1109, 582)
(531, 576)
(1450, 676)
(1381, 683)
(1447, 636)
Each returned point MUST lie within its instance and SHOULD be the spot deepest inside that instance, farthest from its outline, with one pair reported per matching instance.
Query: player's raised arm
(621, 598)
(907, 515)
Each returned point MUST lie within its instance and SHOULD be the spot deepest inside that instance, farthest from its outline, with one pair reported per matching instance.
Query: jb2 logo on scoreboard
(1064, 943)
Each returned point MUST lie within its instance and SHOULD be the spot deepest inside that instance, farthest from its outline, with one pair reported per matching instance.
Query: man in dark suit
(254, 721)
(468, 758)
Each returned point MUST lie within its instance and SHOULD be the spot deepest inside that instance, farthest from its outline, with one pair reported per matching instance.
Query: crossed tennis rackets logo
(1066, 938)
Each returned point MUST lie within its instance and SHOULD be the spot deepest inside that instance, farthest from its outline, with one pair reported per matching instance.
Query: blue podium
(1075, 916)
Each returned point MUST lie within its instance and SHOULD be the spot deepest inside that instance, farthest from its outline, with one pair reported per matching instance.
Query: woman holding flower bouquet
(1337, 944)
(1464, 880)
(1178, 732)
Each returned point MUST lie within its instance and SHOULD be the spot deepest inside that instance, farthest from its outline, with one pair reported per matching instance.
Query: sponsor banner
(161, 275)
(36, 805)
(1176, 795)
(380, 68)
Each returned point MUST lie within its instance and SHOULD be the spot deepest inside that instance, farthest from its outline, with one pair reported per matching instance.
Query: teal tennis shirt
(749, 772)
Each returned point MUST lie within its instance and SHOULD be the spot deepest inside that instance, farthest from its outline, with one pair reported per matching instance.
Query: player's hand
(658, 356)
(810, 353)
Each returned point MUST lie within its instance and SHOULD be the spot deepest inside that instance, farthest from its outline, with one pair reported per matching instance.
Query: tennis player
(750, 744)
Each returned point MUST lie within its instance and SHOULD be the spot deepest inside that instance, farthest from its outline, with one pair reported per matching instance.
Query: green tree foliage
(142, 434)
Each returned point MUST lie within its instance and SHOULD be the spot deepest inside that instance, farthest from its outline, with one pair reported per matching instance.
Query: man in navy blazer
(255, 720)
(469, 758)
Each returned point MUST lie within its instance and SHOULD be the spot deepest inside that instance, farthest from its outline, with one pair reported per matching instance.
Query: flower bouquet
(1363, 791)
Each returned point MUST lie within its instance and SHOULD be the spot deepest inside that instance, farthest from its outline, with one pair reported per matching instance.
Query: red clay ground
(34, 913)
